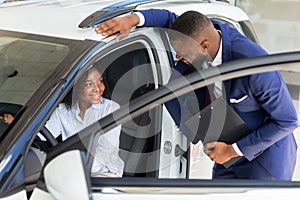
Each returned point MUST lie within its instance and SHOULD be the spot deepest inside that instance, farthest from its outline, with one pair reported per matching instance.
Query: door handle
(180, 152)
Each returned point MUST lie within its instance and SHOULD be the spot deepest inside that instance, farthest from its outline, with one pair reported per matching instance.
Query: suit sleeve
(271, 92)
(158, 18)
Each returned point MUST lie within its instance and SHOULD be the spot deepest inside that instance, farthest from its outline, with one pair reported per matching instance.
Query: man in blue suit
(261, 100)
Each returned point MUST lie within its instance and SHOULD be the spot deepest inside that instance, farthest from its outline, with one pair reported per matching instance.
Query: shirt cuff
(141, 17)
(237, 150)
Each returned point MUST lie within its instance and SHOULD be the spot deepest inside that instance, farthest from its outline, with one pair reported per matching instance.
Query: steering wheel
(48, 135)
(43, 145)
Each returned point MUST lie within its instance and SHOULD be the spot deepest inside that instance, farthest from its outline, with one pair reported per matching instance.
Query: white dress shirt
(218, 86)
(68, 122)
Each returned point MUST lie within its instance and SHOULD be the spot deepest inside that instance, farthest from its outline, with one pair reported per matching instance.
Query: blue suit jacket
(267, 107)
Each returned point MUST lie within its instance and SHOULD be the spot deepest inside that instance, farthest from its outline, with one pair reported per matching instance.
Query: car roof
(61, 18)
(211, 8)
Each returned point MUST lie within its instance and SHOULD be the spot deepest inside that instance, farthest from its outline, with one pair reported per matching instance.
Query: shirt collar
(94, 106)
(218, 58)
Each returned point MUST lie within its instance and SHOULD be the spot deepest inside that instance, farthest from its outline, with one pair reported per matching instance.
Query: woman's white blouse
(67, 122)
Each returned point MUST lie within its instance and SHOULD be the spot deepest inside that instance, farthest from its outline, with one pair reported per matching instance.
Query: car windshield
(24, 66)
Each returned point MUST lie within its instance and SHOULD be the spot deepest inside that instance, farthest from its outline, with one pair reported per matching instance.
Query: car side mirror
(67, 177)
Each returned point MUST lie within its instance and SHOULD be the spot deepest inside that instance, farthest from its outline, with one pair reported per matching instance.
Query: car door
(199, 185)
(196, 187)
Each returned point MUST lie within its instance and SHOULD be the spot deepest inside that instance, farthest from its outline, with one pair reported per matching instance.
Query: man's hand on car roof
(121, 25)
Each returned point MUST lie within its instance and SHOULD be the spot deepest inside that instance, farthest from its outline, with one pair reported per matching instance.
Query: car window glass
(129, 73)
(248, 30)
(173, 158)
(24, 66)
(157, 151)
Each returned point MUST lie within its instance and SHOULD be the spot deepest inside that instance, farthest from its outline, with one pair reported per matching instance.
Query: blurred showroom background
(277, 25)
(276, 22)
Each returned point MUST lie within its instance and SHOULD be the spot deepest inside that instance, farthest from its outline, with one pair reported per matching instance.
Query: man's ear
(205, 45)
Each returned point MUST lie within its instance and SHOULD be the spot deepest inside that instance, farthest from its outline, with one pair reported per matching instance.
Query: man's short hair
(191, 23)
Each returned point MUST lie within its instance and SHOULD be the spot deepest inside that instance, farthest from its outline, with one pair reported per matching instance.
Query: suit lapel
(227, 90)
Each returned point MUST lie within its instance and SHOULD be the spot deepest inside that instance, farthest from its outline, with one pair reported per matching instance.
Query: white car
(45, 46)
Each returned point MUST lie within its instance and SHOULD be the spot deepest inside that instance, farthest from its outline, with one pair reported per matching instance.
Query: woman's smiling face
(92, 88)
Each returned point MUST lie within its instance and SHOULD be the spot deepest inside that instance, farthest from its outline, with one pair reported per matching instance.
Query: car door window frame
(106, 50)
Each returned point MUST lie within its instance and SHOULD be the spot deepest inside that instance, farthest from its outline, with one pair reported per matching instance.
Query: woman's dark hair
(68, 100)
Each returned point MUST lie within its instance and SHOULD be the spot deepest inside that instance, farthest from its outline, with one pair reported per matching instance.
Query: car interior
(128, 75)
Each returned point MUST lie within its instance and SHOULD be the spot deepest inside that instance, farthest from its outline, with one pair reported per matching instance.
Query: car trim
(153, 185)
(111, 11)
(115, 10)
